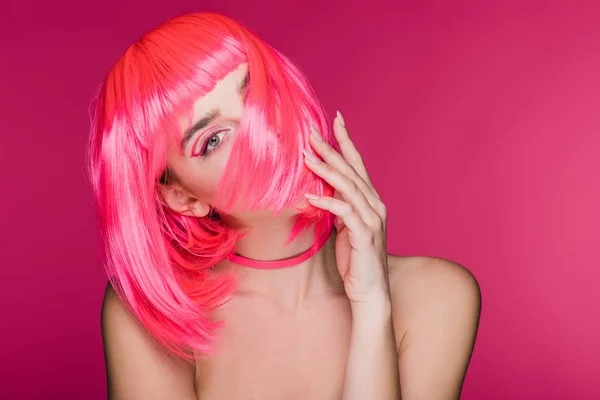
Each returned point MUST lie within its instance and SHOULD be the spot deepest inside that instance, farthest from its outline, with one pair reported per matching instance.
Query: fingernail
(311, 196)
(339, 114)
(310, 156)
(316, 133)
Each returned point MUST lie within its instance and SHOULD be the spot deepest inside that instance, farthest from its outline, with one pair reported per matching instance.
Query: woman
(245, 243)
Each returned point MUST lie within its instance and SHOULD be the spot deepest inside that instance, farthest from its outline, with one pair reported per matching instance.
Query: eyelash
(203, 152)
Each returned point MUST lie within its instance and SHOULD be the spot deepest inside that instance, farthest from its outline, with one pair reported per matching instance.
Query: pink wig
(155, 258)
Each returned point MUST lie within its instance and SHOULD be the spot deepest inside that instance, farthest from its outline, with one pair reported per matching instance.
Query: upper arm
(439, 303)
(136, 366)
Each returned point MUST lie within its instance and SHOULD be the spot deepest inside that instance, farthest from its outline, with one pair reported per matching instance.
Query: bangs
(172, 71)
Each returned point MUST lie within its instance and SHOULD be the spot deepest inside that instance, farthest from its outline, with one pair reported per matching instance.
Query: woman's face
(200, 160)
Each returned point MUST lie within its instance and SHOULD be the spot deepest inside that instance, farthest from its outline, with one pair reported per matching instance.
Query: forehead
(223, 93)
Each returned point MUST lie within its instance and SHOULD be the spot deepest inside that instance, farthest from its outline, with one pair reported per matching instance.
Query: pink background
(479, 122)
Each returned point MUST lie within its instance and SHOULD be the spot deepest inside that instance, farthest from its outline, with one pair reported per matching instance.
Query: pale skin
(352, 322)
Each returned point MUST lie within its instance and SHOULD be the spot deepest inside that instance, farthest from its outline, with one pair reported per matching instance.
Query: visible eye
(211, 144)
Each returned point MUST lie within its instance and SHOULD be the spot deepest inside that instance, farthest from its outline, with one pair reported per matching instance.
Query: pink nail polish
(339, 114)
(316, 133)
(311, 196)
(310, 156)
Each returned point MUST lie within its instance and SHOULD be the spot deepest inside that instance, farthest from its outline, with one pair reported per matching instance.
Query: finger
(361, 234)
(350, 152)
(347, 188)
(337, 161)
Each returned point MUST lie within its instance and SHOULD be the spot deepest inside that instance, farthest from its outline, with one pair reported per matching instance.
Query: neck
(290, 285)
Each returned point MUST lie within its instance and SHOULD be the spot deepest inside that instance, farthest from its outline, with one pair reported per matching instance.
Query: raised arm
(136, 366)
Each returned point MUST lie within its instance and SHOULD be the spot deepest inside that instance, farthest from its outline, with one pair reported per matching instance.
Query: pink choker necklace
(288, 262)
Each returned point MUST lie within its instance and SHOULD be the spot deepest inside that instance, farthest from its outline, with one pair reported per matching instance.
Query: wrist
(372, 309)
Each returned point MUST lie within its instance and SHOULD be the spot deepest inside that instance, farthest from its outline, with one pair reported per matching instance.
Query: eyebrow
(209, 117)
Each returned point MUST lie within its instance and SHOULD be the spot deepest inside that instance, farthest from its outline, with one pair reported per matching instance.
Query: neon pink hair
(155, 258)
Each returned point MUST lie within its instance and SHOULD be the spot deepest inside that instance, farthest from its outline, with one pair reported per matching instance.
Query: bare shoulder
(436, 305)
(432, 292)
(112, 307)
(437, 276)
(136, 366)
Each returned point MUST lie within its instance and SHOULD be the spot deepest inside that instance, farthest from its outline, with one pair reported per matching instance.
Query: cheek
(201, 180)
(201, 177)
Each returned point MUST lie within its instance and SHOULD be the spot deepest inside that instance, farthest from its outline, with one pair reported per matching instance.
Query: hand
(361, 250)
